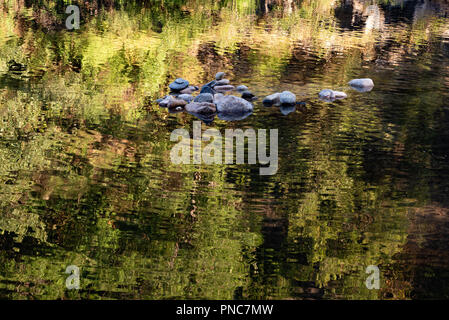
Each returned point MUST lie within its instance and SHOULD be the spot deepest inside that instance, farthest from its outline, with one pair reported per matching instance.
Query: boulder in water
(204, 97)
(272, 99)
(286, 97)
(232, 104)
(219, 75)
(362, 85)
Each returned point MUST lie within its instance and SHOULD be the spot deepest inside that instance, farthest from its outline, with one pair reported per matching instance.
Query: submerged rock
(232, 104)
(201, 108)
(178, 85)
(204, 97)
(219, 75)
(224, 88)
(362, 85)
(241, 88)
(272, 99)
(286, 97)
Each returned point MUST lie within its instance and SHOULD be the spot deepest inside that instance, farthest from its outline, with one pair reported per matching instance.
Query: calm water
(86, 177)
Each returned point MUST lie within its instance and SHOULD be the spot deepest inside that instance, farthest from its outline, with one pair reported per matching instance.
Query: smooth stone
(186, 97)
(219, 75)
(232, 104)
(159, 100)
(286, 97)
(201, 108)
(287, 109)
(179, 84)
(247, 95)
(173, 103)
(272, 99)
(207, 89)
(233, 116)
(164, 103)
(189, 90)
(364, 84)
(241, 88)
(331, 95)
(204, 97)
(222, 82)
(224, 88)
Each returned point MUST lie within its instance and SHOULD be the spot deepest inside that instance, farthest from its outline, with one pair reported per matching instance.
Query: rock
(287, 97)
(186, 97)
(208, 88)
(178, 85)
(222, 82)
(201, 108)
(164, 103)
(247, 95)
(204, 97)
(241, 88)
(232, 104)
(287, 109)
(174, 103)
(272, 99)
(331, 95)
(364, 85)
(219, 75)
(159, 100)
(224, 88)
(189, 90)
(211, 84)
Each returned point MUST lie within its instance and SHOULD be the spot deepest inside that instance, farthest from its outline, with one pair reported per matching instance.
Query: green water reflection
(85, 166)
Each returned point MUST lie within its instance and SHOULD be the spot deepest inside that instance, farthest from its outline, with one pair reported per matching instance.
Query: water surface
(87, 180)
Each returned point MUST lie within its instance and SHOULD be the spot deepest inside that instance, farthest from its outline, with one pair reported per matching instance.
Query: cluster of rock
(211, 99)
(361, 85)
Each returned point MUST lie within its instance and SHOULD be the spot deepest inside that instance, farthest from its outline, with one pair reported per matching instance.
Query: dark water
(87, 180)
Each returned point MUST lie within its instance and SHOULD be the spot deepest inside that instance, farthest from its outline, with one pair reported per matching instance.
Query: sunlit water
(86, 176)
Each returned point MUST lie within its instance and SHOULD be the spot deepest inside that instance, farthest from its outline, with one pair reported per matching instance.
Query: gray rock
(219, 75)
(365, 84)
(224, 88)
(272, 99)
(232, 104)
(207, 89)
(186, 97)
(176, 103)
(241, 88)
(331, 95)
(204, 97)
(164, 103)
(222, 82)
(201, 108)
(287, 97)
(179, 84)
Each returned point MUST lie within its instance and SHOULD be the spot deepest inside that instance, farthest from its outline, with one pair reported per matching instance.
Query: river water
(87, 179)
